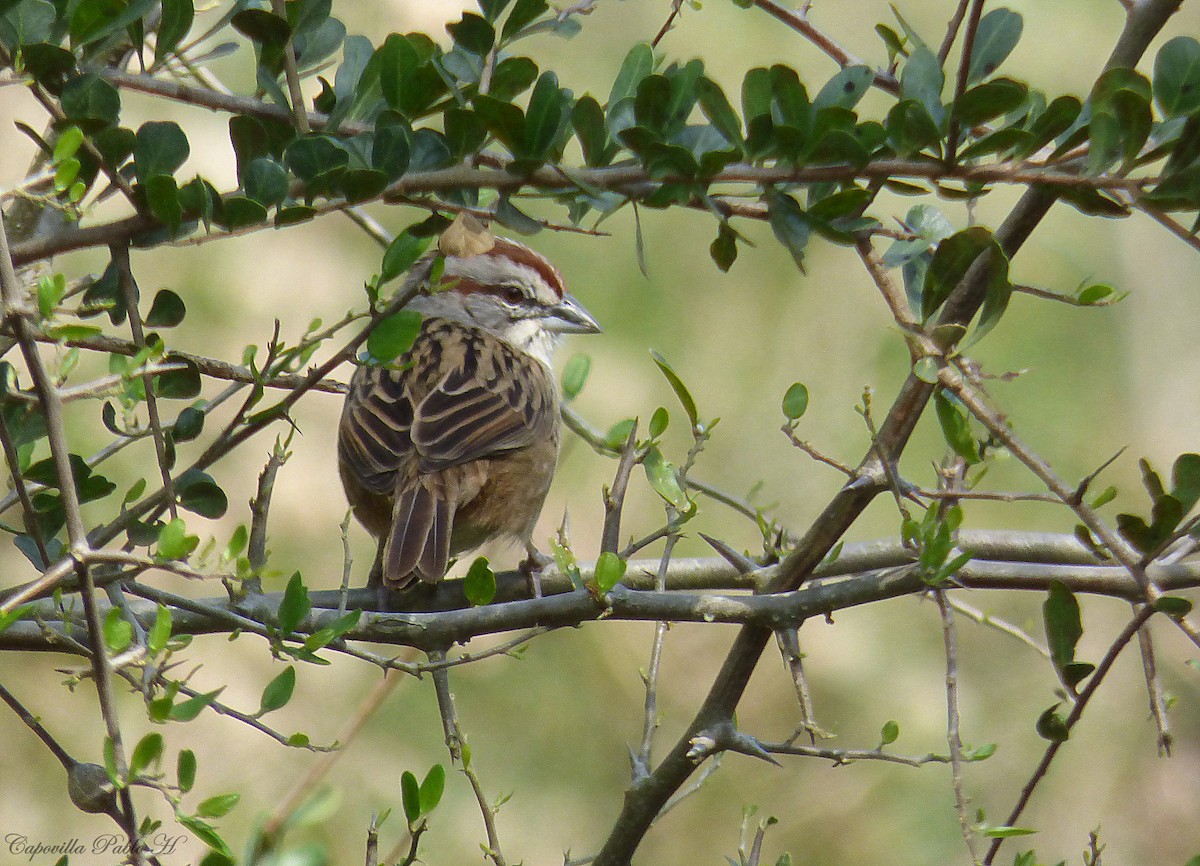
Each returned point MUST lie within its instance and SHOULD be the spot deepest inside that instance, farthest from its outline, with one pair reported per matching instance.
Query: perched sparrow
(456, 444)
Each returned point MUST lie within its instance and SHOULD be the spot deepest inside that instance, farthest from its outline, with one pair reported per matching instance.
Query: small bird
(457, 442)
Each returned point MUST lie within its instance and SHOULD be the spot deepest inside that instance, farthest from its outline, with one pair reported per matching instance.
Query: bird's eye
(512, 294)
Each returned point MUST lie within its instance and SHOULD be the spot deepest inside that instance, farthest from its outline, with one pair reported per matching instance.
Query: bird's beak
(569, 317)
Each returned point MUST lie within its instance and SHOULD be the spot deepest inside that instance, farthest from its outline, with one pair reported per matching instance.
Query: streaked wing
(374, 436)
(493, 401)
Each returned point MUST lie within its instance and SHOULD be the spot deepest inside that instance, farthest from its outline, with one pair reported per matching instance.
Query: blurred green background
(551, 729)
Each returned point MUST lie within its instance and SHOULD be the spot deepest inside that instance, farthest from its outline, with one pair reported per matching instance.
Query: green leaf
(265, 181)
(295, 605)
(391, 147)
(1094, 294)
(926, 369)
(1006, 832)
(953, 258)
(188, 425)
(664, 479)
(261, 26)
(167, 311)
(547, 109)
(795, 401)
(174, 542)
(659, 422)
(524, 12)
(479, 585)
(176, 21)
(1185, 481)
(980, 753)
(160, 632)
(889, 733)
(910, 128)
(401, 254)
(610, 568)
(1106, 496)
(431, 789)
(215, 807)
(314, 155)
(681, 391)
(574, 375)
(200, 494)
(161, 148)
(181, 384)
(1052, 726)
(717, 109)
(205, 832)
(651, 105)
(845, 89)
(473, 33)
(955, 428)
(7, 619)
(393, 336)
(587, 119)
(638, 63)
(618, 434)
(148, 751)
(185, 770)
(998, 33)
(922, 79)
(91, 102)
(984, 102)
(410, 796)
(504, 120)
(278, 691)
(1177, 76)
(185, 711)
(724, 249)
(1064, 627)
(789, 224)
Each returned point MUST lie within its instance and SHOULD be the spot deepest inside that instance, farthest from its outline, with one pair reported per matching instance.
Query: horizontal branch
(633, 601)
(630, 179)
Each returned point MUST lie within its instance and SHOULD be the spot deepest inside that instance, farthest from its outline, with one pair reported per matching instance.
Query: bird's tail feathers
(419, 543)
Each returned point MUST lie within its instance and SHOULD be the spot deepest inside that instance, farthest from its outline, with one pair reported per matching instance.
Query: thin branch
(21, 491)
(953, 737)
(676, 6)
(120, 258)
(841, 757)
(964, 68)
(614, 498)
(15, 311)
(307, 783)
(455, 741)
(1085, 696)
(293, 77)
(952, 31)
(799, 22)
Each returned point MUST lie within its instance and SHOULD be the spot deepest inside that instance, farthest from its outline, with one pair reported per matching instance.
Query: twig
(52, 409)
(1154, 692)
(842, 757)
(999, 624)
(1102, 669)
(120, 258)
(676, 6)
(952, 31)
(455, 740)
(350, 730)
(799, 22)
(293, 77)
(21, 491)
(614, 499)
(964, 68)
(953, 737)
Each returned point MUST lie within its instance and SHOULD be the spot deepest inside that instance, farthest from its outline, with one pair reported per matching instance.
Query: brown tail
(419, 543)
